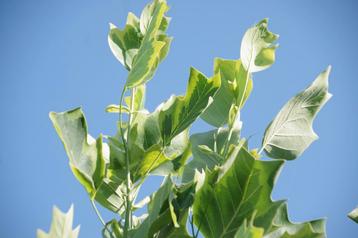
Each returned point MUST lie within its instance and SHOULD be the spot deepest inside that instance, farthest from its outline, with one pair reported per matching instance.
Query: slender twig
(127, 200)
(98, 213)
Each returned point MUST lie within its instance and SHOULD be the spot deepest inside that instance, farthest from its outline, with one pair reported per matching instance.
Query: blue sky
(54, 56)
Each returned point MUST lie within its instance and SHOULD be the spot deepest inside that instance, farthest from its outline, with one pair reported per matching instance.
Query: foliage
(213, 182)
(61, 225)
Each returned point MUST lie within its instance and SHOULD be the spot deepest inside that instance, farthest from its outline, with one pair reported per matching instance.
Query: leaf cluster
(213, 182)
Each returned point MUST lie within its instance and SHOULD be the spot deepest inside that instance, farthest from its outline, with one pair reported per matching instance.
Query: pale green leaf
(113, 108)
(145, 63)
(291, 132)
(283, 228)
(84, 153)
(88, 158)
(124, 43)
(257, 47)
(236, 86)
(61, 226)
(154, 46)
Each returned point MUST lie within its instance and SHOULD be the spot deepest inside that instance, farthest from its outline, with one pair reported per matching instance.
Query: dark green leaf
(178, 113)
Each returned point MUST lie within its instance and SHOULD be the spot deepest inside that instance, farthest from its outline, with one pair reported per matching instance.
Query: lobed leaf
(291, 132)
(61, 226)
(239, 190)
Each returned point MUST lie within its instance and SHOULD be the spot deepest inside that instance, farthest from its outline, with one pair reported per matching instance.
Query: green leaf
(240, 190)
(155, 44)
(145, 63)
(249, 231)
(291, 132)
(172, 221)
(257, 47)
(154, 208)
(112, 230)
(84, 153)
(61, 226)
(88, 158)
(211, 156)
(354, 215)
(236, 86)
(124, 43)
(113, 108)
(138, 102)
(178, 113)
(282, 227)
(233, 193)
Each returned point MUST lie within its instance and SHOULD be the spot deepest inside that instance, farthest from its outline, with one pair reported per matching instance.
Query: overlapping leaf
(207, 151)
(61, 226)
(234, 193)
(154, 208)
(179, 112)
(167, 212)
(236, 86)
(249, 231)
(142, 44)
(87, 158)
(162, 136)
(291, 132)
(239, 190)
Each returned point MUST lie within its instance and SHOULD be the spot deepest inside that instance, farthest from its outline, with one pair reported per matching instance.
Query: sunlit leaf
(236, 86)
(291, 132)
(154, 46)
(84, 153)
(283, 228)
(87, 158)
(258, 47)
(61, 226)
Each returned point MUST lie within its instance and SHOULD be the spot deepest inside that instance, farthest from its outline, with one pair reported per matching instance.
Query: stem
(100, 217)
(127, 224)
(226, 147)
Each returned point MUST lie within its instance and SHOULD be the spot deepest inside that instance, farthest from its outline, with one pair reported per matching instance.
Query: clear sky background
(54, 56)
